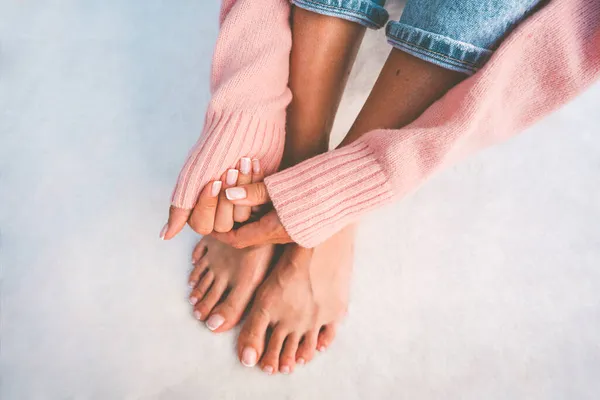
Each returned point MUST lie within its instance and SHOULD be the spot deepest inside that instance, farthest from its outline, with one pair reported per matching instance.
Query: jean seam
(358, 14)
(434, 58)
(430, 51)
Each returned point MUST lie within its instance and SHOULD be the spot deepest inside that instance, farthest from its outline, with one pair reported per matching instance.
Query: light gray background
(482, 285)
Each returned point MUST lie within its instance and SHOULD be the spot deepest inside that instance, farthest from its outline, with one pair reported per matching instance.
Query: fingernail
(163, 231)
(216, 188)
(301, 361)
(285, 369)
(232, 176)
(245, 165)
(198, 315)
(255, 166)
(193, 302)
(214, 322)
(249, 357)
(235, 193)
(191, 284)
(268, 369)
(322, 348)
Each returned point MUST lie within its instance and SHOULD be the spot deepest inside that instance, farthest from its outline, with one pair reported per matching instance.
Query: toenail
(268, 369)
(301, 361)
(322, 348)
(249, 357)
(193, 301)
(285, 369)
(197, 314)
(214, 322)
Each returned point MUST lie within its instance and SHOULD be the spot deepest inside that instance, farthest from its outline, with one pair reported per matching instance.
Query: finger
(203, 215)
(178, 217)
(242, 213)
(224, 215)
(257, 172)
(253, 194)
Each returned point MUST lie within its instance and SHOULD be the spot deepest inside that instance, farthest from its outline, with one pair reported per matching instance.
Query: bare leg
(405, 88)
(306, 294)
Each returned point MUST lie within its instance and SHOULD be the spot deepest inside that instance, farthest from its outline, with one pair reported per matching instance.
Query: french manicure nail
(191, 284)
(245, 165)
(255, 166)
(197, 315)
(301, 361)
(214, 322)
(193, 302)
(232, 176)
(216, 188)
(163, 231)
(249, 357)
(322, 348)
(285, 370)
(235, 193)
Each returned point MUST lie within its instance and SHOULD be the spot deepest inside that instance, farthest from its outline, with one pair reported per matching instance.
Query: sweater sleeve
(544, 63)
(249, 95)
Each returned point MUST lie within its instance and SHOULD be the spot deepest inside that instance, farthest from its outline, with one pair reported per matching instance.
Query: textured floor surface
(485, 284)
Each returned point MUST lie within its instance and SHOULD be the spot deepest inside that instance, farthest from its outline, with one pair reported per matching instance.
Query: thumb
(254, 194)
(178, 217)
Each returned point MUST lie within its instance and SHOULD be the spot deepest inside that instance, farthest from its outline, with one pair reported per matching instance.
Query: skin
(405, 88)
(297, 308)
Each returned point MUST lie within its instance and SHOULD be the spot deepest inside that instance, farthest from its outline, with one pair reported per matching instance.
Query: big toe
(251, 341)
(229, 312)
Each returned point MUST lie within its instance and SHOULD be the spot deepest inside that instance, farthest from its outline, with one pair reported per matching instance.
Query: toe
(199, 267)
(199, 250)
(326, 337)
(228, 313)
(306, 350)
(270, 361)
(251, 342)
(201, 288)
(287, 361)
(205, 306)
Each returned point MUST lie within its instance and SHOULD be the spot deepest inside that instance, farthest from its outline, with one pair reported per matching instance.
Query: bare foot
(302, 300)
(218, 268)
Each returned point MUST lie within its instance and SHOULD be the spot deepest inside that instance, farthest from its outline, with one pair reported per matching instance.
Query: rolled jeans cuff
(368, 13)
(437, 49)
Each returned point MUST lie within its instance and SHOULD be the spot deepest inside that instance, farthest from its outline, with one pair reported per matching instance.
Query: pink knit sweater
(544, 63)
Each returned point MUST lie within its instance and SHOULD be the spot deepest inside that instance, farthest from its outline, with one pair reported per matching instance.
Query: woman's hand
(267, 230)
(213, 211)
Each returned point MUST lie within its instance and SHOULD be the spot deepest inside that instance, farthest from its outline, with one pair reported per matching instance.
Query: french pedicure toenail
(232, 176)
(193, 301)
(214, 322)
(245, 166)
(301, 361)
(285, 370)
(268, 369)
(249, 357)
(235, 193)
(255, 166)
(197, 315)
(216, 188)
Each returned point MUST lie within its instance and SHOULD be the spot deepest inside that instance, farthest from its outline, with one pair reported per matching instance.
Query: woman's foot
(219, 268)
(302, 300)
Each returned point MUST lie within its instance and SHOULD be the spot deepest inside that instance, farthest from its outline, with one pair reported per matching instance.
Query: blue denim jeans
(455, 34)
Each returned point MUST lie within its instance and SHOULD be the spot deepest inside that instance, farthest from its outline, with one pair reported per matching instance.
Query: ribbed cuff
(320, 196)
(227, 137)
